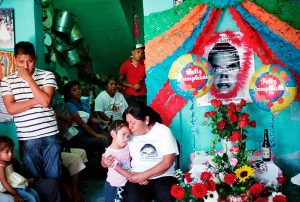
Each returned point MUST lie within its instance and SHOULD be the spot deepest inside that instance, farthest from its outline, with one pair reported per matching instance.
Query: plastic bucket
(64, 21)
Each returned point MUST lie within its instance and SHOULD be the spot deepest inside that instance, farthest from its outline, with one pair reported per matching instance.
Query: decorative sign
(7, 38)
(191, 76)
(272, 88)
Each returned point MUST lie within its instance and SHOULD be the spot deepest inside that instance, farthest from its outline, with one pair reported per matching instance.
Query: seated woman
(152, 149)
(110, 103)
(88, 137)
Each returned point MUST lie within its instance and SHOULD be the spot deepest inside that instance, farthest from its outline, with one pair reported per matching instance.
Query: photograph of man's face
(225, 60)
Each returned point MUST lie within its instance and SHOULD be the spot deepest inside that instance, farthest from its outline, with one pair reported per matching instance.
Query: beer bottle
(266, 148)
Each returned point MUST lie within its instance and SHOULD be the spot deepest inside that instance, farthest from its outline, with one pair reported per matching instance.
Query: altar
(265, 171)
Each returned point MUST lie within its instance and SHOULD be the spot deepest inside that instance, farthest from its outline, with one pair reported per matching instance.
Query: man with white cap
(132, 76)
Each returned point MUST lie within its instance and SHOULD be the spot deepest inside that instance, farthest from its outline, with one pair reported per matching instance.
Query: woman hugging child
(119, 171)
(10, 181)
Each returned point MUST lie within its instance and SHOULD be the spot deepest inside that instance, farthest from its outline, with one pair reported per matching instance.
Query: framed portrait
(233, 64)
(7, 28)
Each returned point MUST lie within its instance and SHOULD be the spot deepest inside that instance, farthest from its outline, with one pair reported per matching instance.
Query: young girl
(119, 171)
(11, 181)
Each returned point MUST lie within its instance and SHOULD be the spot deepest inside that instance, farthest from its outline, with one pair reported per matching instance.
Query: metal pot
(64, 21)
(75, 35)
(61, 46)
(72, 57)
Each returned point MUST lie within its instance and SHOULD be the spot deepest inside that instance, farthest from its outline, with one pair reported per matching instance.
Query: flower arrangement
(230, 175)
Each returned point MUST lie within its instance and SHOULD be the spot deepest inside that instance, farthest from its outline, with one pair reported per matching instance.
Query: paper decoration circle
(191, 76)
(272, 88)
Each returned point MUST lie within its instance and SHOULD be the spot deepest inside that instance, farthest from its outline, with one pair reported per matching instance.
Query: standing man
(132, 76)
(27, 96)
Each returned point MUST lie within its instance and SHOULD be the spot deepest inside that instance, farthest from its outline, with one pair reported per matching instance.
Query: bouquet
(230, 175)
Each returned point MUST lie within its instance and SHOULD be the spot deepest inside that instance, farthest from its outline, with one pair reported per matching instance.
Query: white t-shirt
(148, 150)
(111, 106)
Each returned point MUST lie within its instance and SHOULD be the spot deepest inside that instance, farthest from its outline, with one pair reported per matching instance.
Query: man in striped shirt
(27, 96)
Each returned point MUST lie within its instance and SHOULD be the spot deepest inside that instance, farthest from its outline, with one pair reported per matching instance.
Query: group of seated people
(139, 154)
(141, 164)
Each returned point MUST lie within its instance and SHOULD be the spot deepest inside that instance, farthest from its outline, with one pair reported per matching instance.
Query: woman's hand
(107, 161)
(18, 198)
(137, 178)
(102, 136)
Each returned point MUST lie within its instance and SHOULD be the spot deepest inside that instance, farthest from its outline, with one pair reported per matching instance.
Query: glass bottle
(266, 147)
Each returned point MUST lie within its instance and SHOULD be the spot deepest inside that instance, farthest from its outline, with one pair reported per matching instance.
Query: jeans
(48, 189)
(41, 157)
(6, 197)
(29, 195)
(158, 189)
(113, 194)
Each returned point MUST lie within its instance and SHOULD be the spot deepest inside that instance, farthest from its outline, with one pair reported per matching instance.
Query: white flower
(211, 196)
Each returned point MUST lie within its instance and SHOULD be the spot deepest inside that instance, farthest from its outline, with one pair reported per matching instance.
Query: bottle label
(266, 152)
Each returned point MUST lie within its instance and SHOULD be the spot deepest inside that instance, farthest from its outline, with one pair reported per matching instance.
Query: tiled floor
(93, 190)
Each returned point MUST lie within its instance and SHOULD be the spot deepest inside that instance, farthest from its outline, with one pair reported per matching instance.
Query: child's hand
(144, 182)
(18, 198)
(107, 161)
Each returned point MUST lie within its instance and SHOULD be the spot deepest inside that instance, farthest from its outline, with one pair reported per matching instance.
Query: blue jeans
(113, 194)
(41, 157)
(29, 195)
(6, 197)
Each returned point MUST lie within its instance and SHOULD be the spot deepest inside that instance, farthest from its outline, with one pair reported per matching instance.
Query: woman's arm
(7, 186)
(86, 127)
(156, 170)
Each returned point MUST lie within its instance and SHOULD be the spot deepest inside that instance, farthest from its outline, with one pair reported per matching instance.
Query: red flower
(243, 102)
(281, 179)
(206, 114)
(210, 185)
(231, 106)
(177, 192)
(236, 136)
(239, 108)
(199, 190)
(205, 176)
(230, 179)
(221, 125)
(232, 118)
(243, 123)
(261, 200)
(253, 124)
(279, 198)
(188, 177)
(209, 114)
(216, 103)
(256, 189)
(245, 116)
(234, 149)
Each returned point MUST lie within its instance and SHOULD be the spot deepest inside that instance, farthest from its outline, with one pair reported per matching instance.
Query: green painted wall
(286, 123)
(107, 29)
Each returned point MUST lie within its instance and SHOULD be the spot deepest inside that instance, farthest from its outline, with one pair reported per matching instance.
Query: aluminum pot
(61, 46)
(75, 35)
(64, 21)
(72, 57)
